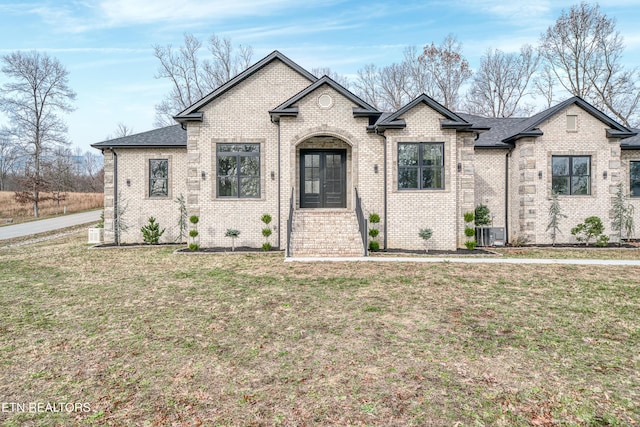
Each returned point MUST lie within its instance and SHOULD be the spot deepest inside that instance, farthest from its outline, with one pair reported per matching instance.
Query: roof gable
(288, 107)
(530, 127)
(450, 121)
(192, 114)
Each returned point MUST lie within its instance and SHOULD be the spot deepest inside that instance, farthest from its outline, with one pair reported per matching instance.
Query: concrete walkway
(475, 260)
(49, 224)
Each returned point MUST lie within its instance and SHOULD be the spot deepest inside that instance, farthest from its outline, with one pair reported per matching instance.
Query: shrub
(425, 234)
(193, 219)
(470, 244)
(194, 247)
(193, 233)
(374, 218)
(374, 245)
(519, 240)
(482, 215)
(591, 228)
(266, 231)
(469, 216)
(266, 218)
(151, 232)
(469, 231)
(555, 215)
(233, 234)
(100, 223)
(266, 246)
(373, 233)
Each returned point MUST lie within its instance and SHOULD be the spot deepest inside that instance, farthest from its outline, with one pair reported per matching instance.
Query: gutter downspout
(115, 196)
(279, 186)
(384, 170)
(506, 196)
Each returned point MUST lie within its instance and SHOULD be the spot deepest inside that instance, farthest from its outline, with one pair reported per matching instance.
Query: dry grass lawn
(75, 202)
(146, 337)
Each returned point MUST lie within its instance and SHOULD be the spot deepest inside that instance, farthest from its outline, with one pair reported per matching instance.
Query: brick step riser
(326, 234)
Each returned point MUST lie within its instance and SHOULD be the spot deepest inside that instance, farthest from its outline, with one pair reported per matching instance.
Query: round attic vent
(325, 101)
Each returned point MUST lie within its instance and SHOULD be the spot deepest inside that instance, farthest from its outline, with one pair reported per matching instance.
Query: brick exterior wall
(133, 187)
(531, 176)
(471, 176)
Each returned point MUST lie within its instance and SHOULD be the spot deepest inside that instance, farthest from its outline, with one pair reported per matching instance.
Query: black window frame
(635, 181)
(421, 167)
(154, 178)
(238, 176)
(571, 175)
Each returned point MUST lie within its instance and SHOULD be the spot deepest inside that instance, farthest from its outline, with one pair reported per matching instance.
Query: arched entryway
(324, 173)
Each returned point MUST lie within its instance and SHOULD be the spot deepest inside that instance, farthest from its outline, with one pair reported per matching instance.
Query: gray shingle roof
(167, 137)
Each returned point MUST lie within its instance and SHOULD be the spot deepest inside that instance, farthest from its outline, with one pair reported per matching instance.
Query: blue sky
(107, 45)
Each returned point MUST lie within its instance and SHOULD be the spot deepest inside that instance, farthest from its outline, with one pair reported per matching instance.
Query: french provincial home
(277, 140)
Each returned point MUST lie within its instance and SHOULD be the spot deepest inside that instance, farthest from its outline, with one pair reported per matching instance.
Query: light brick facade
(284, 110)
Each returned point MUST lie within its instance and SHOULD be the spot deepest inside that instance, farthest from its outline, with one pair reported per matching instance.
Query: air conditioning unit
(95, 235)
(490, 236)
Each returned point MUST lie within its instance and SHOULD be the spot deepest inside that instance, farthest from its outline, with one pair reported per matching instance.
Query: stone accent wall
(625, 157)
(532, 176)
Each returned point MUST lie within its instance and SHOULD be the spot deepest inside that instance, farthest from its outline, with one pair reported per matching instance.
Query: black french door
(323, 179)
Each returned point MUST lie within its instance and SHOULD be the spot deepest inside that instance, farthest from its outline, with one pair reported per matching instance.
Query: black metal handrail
(290, 224)
(362, 224)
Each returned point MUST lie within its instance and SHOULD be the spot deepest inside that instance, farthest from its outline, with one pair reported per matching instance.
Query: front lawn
(142, 336)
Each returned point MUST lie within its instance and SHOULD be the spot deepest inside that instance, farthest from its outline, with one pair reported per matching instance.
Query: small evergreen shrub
(482, 215)
(266, 246)
(193, 219)
(374, 245)
(151, 232)
(469, 216)
(591, 228)
(194, 247)
(374, 218)
(469, 231)
(425, 234)
(470, 244)
(193, 233)
(373, 233)
(266, 231)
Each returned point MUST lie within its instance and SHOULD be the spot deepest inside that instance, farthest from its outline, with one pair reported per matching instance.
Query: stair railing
(362, 224)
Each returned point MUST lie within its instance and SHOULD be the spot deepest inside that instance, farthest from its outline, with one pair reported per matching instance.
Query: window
(238, 170)
(158, 178)
(571, 175)
(634, 178)
(420, 165)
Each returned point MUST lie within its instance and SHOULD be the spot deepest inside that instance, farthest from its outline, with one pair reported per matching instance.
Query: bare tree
(37, 92)
(8, 158)
(545, 85)
(419, 78)
(448, 68)
(191, 77)
(366, 86)
(94, 171)
(123, 130)
(502, 82)
(584, 51)
(393, 83)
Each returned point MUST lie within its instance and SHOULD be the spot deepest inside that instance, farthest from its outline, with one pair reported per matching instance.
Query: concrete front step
(325, 233)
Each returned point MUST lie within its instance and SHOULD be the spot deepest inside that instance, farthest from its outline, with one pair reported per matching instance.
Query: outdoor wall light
(604, 175)
(273, 175)
(375, 168)
(128, 183)
(204, 175)
(459, 167)
(539, 174)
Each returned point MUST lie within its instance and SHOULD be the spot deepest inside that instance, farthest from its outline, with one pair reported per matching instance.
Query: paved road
(497, 260)
(50, 224)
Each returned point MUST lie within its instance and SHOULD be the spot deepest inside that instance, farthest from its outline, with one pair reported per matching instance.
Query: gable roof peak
(192, 112)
